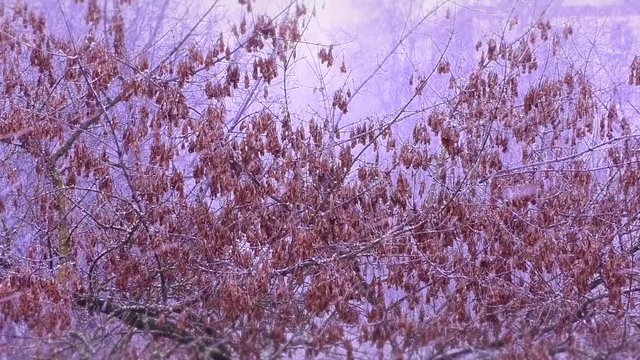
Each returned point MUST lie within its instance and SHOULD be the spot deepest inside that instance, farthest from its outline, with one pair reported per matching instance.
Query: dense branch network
(174, 203)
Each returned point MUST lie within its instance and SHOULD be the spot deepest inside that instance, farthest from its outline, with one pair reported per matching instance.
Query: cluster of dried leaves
(143, 219)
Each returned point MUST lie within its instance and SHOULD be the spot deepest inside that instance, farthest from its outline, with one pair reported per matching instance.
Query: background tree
(165, 196)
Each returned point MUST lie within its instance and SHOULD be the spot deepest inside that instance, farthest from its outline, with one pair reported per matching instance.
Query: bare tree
(162, 198)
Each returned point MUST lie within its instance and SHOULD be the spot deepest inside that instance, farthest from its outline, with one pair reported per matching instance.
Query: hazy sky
(364, 32)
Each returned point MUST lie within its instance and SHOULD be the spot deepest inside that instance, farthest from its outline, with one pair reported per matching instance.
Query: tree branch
(142, 319)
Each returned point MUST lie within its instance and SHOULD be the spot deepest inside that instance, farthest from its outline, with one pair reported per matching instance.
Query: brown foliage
(135, 198)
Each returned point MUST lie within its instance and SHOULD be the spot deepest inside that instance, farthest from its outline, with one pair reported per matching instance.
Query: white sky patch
(594, 3)
(339, 16)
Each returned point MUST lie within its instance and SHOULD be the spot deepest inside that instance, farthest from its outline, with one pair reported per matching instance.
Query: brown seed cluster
(143, 195)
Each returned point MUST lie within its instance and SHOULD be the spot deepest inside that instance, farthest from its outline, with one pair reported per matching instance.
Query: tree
(171, 204)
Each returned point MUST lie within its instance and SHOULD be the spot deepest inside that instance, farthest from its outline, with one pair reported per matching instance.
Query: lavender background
(385, 43)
